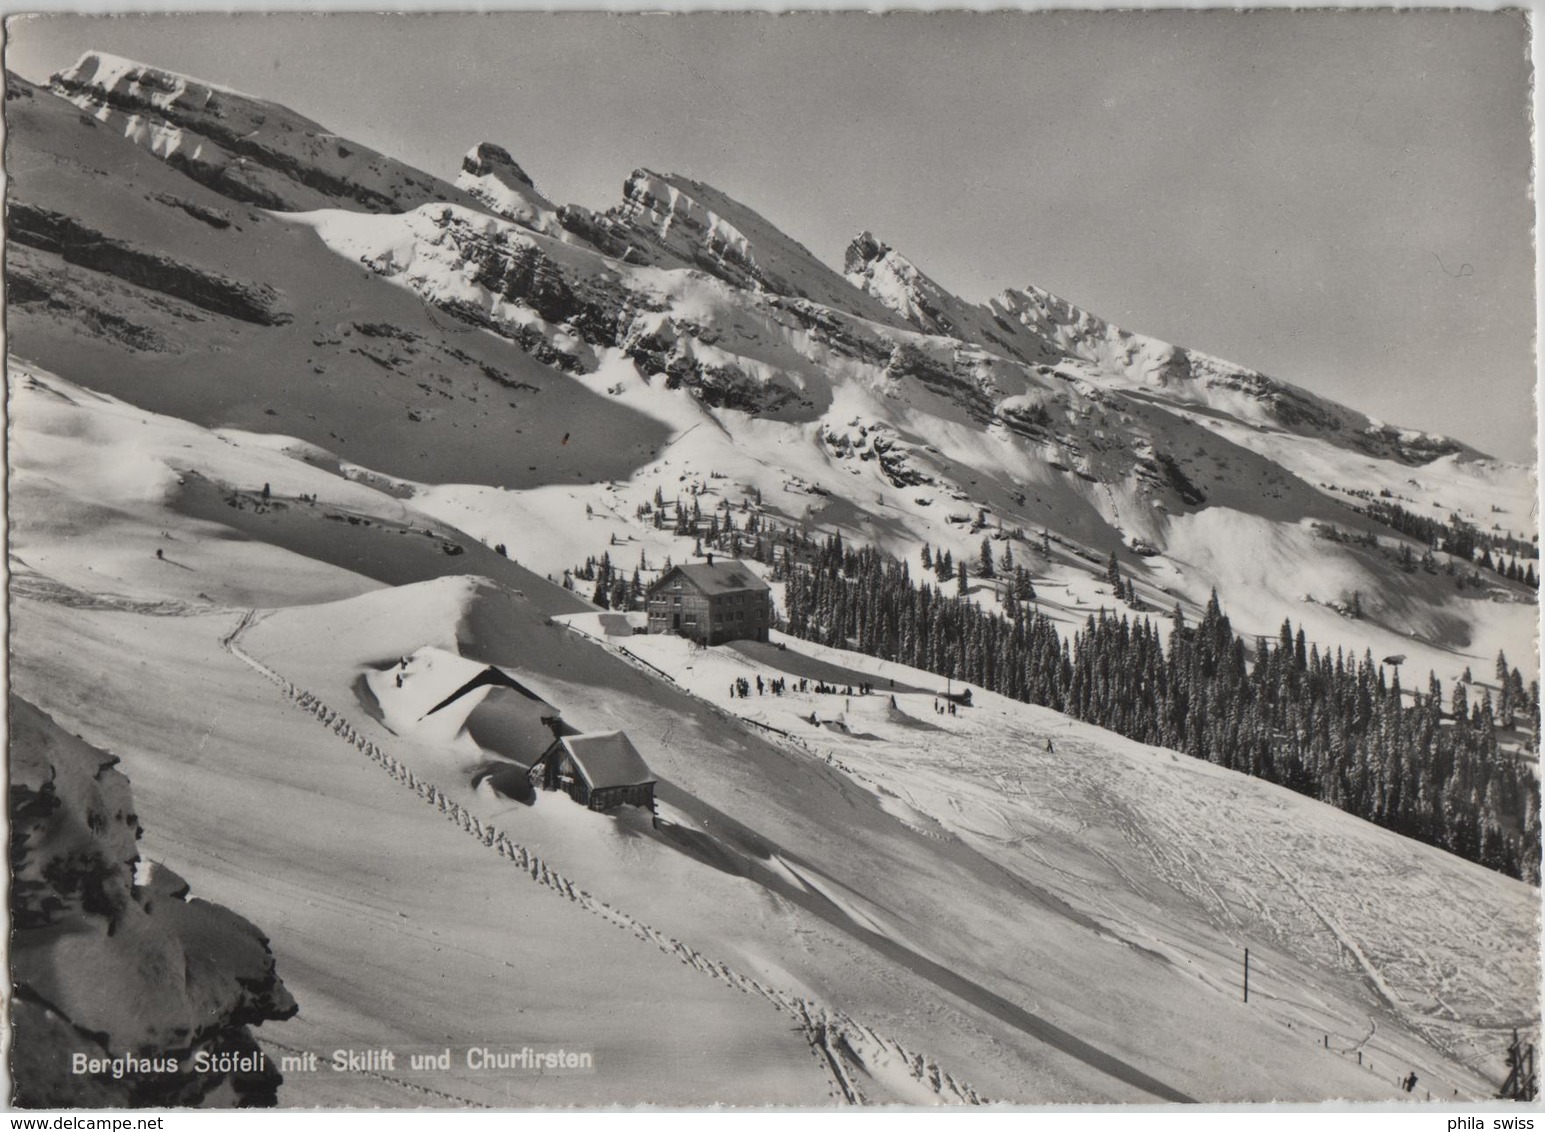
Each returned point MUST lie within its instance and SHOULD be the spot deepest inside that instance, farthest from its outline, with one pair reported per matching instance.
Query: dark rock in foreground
(125, 994)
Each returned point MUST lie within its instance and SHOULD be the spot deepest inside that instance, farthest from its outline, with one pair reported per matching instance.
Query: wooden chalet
(711, 602)
(601, 770)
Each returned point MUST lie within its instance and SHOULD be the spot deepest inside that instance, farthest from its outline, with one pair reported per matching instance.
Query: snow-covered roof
(717, 577)
(608, 758)
(489, 676)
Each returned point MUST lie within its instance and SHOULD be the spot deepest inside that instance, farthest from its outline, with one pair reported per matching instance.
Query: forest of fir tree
(1449, 772)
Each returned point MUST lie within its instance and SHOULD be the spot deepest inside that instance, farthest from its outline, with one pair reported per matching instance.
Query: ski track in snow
(1373, 924)
(1154, 834)
(1375, 977)
(836, 1039)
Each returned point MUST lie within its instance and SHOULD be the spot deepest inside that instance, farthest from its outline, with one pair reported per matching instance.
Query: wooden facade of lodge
(711, 602)
(599, 770)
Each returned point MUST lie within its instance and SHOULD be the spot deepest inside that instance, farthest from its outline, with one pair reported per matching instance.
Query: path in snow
(826, 1028)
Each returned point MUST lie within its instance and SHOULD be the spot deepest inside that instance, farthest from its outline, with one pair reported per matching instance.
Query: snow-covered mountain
(257, 372)
(1034, 322)
(488, 313)
(249, 149)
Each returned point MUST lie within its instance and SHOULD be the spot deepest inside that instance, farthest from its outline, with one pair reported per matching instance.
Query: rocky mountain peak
(863, 251)
(493, 178)
(670, 220)
(489, 160)
(245, 148)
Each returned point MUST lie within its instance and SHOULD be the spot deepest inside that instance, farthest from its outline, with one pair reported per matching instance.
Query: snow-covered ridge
(672, 221)
(1086, 336)
(650, 199)
(490, 174)
(1030, 324)
(566, 303)
(993, 418)
(1190, 377)
(246, 148)
(880, 271)
(158, 86)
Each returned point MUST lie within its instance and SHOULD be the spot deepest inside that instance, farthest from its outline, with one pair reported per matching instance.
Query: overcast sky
(1337, 199)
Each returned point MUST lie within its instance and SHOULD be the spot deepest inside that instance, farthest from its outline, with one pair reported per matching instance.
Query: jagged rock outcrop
(488, 160)
(876, 268)
(784, 317)
(564, 303)
(68, 238)
(1192, 377)
(668, 220)
(880, 271)
(1033, 325)
(492, 176)
(245, 148)
(157, 987)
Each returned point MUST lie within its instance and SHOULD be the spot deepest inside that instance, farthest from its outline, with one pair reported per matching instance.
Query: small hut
(601, 770)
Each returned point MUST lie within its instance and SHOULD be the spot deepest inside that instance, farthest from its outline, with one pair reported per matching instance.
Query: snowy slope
(919, 888)
(359, 368)
(277, 400)
(1066, 805)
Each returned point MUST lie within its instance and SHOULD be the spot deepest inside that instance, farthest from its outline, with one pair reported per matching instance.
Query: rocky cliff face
(671, 221)
(50, 231)
(1191, 377)
(245, 148)
(876, 268)
(257, 152)
(111, 959)
(1033, 325)
(879, 270)
(492, 176)
(564, 304)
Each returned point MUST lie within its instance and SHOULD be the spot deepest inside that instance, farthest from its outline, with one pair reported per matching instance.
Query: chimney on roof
(710, 558)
